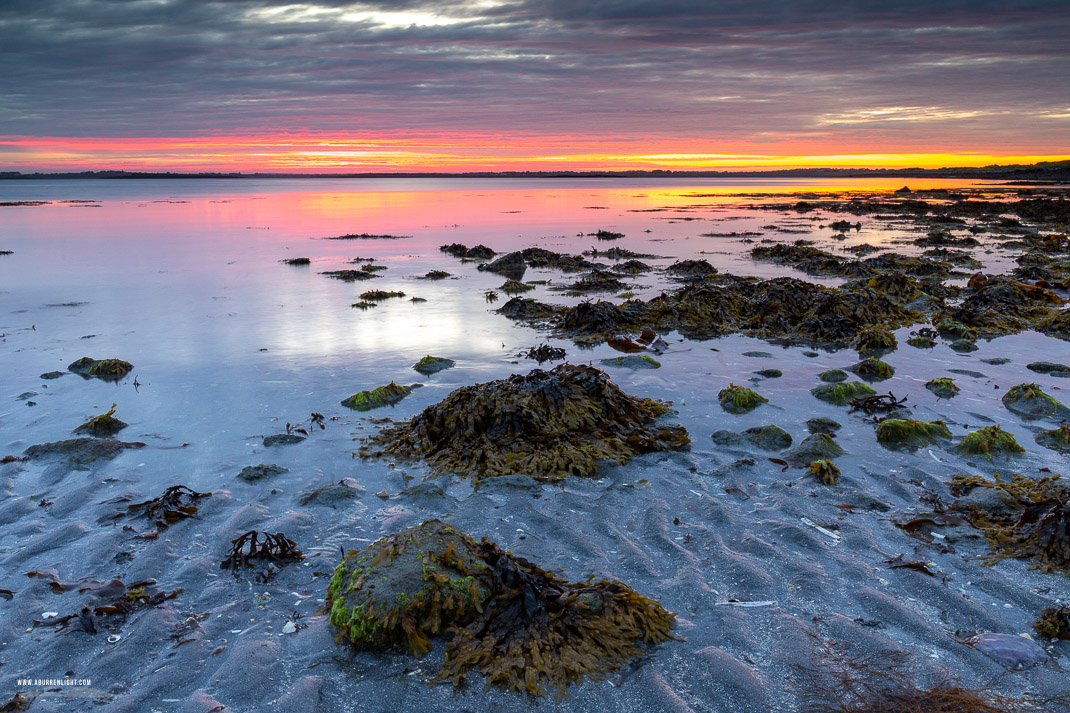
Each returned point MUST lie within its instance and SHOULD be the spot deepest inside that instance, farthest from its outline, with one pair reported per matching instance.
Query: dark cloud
(927, 72)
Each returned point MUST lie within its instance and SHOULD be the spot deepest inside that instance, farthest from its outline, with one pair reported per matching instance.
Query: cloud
(919, 75)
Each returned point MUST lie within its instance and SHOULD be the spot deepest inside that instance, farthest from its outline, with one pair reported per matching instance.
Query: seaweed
(364, 305)
(545, 423)
(350, 275)
(106, 369)
(1053, 623)
(988, 442)
(255, 545)
(1031, 521)
(594, 281)
(875, 403)
(740, 399)
(378, 295)
(434, 275)
(174, 504)
(515, 287)
(874, 340)
(479, 252)
(432, 365)
(833, 376)
(944, 387)
(520, 626)
(840, 394)
(873, 369)
(691, 269)
(606, 235)
(543, 353)
(296, 261)
(387, 395)
(825, 471)
(1029, 401)
(104, 424)
(367, 236)
(110, 598)
(911, 434)
(527, 309)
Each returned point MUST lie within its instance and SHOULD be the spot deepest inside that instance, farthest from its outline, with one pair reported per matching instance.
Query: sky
(488, 85)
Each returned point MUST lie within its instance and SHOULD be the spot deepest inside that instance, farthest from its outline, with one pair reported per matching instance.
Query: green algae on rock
(816, 446)
(1057, 439)
(825, 471)
(545, 423)
(429, 365)
(873, 369)
(843, 393)
(740, 399)
(911, 434)
(988, 442)
(770, 373)
(944, 387)
(523, 628)
(1030, 521)
(833, 376)
(1030, 401)
(820, 424)
(387, 395)
(104, 424)
(106, 369)
(633, 361)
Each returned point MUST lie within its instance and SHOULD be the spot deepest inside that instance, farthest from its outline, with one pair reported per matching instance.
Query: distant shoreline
(1054, 173)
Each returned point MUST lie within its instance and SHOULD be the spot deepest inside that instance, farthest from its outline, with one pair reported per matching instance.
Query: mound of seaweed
(810, 260)
(1032, 521)
(106, 369)
(545, 423)
(520, 626)
(1001, 305)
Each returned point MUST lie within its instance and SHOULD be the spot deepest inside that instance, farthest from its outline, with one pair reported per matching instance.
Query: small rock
(282, 439)
(382, 494)
(289, 628)
(1008, 650)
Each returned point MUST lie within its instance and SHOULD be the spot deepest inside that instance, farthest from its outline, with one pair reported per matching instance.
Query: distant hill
(1056, 171)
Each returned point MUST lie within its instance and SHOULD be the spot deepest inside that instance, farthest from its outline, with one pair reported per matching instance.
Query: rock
(964, 346)
(944, 387)
(843, 393)
(1008, 650)
(1029, 401)
(282, 439)
(910, 434)
(768, 438)
(252, 473)
(511, 266)
(989, 442)
(521, 626)
(873, 369)
(77, 451)
(289, 628)
(1047, 367)
(833, 376)
(106, 369)
(379, 396)
(770, 373)
(816, 446)
(53, 374)
(740, 399)
(996, 361)
(1057, 439)
(432, 365)
(332, 494)
(822, 425)
(633, 361)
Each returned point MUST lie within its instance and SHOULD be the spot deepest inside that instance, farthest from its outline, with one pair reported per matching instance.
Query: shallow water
(183, 279)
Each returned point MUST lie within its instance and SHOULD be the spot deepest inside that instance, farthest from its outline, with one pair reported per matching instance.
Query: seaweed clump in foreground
(544, 424)
(1032, 521)
(518, 625)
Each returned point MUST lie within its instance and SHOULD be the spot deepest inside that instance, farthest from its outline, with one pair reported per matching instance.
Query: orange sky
(346, 153)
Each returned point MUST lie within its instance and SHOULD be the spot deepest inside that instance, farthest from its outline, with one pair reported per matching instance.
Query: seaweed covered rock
(253, 473)
(296, 261)
(989, 442)
(523, 628)
(873, 369)
(77, 451)
(944, 387)
(429, 365)
(479, 252)
(1002, 305)
(106, 369)
(842, 393)
(633, 361)
(545, 423)
(833, 376)
(512, 266)
(526, 309)
(1031, 520)
(816, 446)
(740, 399)
(1030, 401)
(515, 287)
(379, 396)
(910, 434)
(1057, 439)
(874, 340)
(102, 425)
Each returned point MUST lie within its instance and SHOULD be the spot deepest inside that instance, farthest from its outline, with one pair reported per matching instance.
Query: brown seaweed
(176, 503)
(255, 545)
